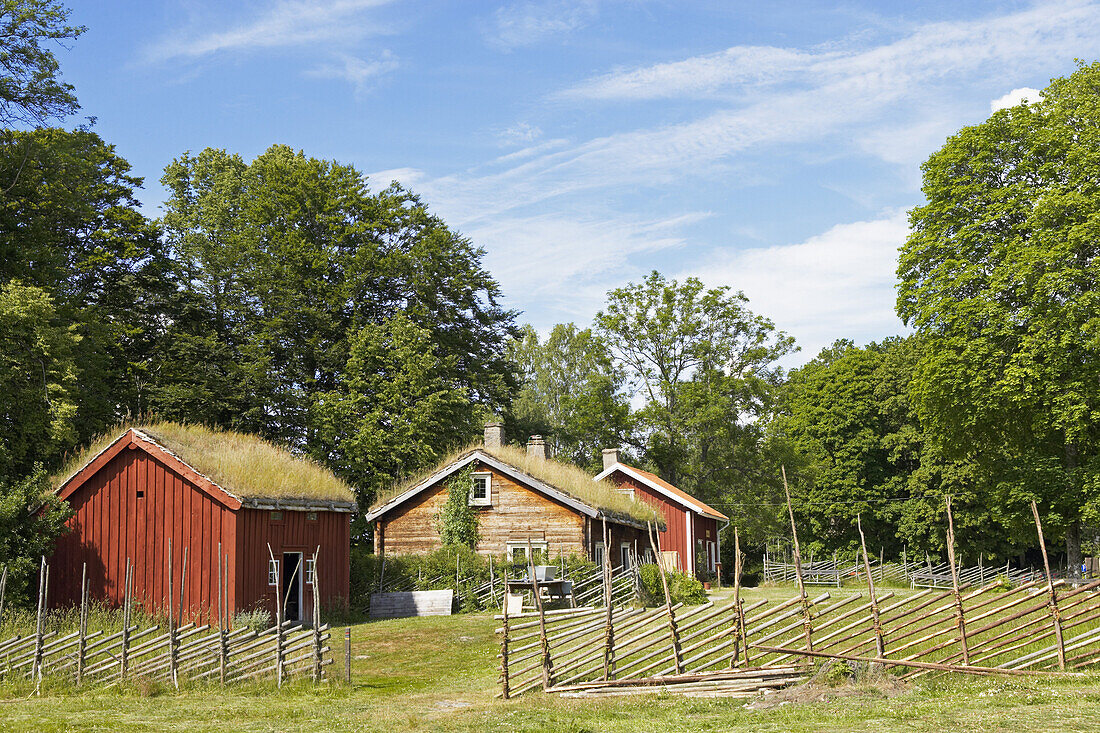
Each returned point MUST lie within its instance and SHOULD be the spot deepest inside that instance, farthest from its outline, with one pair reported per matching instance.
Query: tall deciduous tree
(31, 520)
(31, 90)
(1002, 275)
(572, 393)
(38, 379)
(704, 364)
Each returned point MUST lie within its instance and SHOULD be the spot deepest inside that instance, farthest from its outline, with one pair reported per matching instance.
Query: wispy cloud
(520, 133)
(837, 283)
(524, 23)
(283, 23)
(356, 71)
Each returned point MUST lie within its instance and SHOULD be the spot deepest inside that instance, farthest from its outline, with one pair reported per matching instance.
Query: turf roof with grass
(566, 477)
(243, 465)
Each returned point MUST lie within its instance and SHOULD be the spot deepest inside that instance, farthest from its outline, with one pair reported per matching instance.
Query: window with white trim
(309, 570)
(481, 492)
(517, 552)
(624, 554)
(272, 572)
(598, 553)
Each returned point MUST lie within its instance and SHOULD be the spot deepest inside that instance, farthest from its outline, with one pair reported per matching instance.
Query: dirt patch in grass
(833, 681)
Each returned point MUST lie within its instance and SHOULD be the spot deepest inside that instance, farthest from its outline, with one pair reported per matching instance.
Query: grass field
(440, 674)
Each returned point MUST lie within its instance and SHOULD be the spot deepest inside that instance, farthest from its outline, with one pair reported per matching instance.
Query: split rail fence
(170, 651)
(1039, 626)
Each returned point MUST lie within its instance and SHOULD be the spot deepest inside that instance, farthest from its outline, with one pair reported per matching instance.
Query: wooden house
(205, 491)
(690, 542)
(522, 498)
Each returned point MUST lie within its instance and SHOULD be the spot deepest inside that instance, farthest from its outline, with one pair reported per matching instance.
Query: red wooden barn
(203, 490)
(691, 527)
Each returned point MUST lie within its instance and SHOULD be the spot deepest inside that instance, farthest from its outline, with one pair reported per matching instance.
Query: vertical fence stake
(36, 667)
(806, 622)
(124, 655)
(673, 631)
(740, 639)
(609, 629)
(347, 654)
(880, 643)
(3, 588)
(961, 618)
(223, 613)
(1054, 615)
(171, 621)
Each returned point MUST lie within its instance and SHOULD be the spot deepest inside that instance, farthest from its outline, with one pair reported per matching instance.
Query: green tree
(858, 448)
(71, 225)
(38, 379)
(704, 365)
(1001, 274)
(457, 521)
(31, 520)
(570, 392)
(31, 90)
(396, 409)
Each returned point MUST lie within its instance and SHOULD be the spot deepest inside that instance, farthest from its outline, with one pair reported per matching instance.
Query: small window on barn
(598, 553)
(141, 493)
(276, 516)
(272, 572)
(481, 493)
(311, 516)
(309, 571)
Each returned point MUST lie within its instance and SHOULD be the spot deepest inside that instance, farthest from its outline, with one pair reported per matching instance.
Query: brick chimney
(610, 457)
(536, 447)
(494, 434)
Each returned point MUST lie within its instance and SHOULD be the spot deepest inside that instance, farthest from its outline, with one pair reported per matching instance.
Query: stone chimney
(494, 434)
(536, 447)
(610, 457)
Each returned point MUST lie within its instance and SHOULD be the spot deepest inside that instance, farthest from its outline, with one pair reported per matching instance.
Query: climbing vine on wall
(457, 520)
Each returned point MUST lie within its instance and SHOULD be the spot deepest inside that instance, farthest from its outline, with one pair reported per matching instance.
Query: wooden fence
(168, 651)
(1038, 626)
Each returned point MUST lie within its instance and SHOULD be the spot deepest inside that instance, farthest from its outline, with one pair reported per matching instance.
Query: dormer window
(481, 492)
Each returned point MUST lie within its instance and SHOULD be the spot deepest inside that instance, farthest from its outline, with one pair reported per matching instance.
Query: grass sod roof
(565, 477)
(244, 465)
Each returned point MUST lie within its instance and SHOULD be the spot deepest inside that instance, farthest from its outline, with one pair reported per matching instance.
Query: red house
(206, 491)
(690, 540)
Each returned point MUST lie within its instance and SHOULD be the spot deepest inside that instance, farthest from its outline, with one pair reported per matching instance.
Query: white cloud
(284, 23)
(524, 23)
(356, 71)
(1016, 96)
(407, 177)
(837, 283)
(520, 133)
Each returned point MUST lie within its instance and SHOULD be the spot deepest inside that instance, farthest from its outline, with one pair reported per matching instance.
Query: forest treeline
(292, 298)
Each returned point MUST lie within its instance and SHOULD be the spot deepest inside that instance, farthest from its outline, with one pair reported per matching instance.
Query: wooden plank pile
(411, 603)
(170, 652)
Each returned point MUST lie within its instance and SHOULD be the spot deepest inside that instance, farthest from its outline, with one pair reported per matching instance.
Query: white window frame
(624, 554)
(272, 572)
(488, 499)
(535, 548)
(598, 552)
(309, 570)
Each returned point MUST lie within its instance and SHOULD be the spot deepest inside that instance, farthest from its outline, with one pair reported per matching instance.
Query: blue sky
(772, 147)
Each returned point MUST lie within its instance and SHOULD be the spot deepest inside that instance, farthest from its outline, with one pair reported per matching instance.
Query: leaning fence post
(547, 663)
(504, 647)
(317, 668)
(880, 643)
(739, 639)
(171, 621)
(278, 617)
(82, 643)
(223, 616)
(673, 631)
(961, 618)
(124, 654)
(3, 587)
(806, 623)
(1054, 615)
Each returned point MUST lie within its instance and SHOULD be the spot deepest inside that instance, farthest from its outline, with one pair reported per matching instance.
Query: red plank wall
(674, 537)
(294, 532)
(112, 523)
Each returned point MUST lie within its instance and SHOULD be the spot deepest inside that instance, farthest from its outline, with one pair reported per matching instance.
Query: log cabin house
(204, 490)
(522, 497)
(691, 541)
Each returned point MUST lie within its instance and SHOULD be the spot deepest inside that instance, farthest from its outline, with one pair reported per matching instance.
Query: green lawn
(440, 674)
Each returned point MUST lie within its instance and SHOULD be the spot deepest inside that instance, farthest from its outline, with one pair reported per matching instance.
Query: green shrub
(257, 619)
(681, 588)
